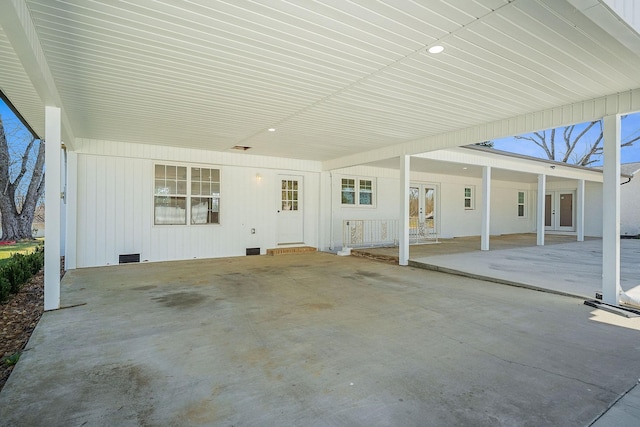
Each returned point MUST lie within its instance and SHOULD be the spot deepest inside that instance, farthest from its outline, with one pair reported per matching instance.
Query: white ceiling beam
(594, 109)
(16, 22)
(620, 20)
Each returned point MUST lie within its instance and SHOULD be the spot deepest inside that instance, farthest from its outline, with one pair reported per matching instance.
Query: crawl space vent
(127, 258)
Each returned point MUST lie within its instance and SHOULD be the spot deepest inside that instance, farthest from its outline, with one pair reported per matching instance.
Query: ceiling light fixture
(272, 129)
(436, 49)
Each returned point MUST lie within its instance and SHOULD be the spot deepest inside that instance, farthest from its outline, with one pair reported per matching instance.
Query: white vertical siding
(593, 215)
(115, 207)
(454, 220)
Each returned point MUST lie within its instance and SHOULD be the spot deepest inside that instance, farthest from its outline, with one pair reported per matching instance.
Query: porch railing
(363, 233)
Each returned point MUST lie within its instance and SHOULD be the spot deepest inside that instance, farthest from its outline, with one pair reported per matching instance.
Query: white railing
(363, 233)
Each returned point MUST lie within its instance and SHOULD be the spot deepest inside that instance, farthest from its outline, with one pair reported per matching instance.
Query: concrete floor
(315, 340)
(562, 265)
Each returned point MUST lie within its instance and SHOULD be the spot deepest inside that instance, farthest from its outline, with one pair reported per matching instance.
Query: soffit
(334, 78)
(16, 85)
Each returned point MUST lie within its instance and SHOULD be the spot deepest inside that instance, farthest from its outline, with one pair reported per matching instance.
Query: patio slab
(562, 265)
(566, 268)
(315, 340)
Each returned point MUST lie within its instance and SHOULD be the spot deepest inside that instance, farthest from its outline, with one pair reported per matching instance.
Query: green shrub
(5, 288)
(18, 270)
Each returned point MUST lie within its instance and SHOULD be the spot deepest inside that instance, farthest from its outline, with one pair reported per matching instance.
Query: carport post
(52, 157)
(542, 181)
(486, 208)
(611, 210)
(403, 243)
(580, 213)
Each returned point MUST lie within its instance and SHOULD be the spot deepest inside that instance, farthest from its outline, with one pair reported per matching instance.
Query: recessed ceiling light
(465, 168)
(272, 129)
(436, 49)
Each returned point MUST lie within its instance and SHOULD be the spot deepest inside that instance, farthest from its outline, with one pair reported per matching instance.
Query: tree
(18, 199)
(576, 144)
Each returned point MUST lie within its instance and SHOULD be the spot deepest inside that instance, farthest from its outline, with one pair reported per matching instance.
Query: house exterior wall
(592, 202)
(453, 219)
(115, 183)
(115, 204)
(630, 208)
(593, 209)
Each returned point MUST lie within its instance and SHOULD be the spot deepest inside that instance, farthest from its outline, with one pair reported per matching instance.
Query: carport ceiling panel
(148, 62)
(335, 78)
(16, 85)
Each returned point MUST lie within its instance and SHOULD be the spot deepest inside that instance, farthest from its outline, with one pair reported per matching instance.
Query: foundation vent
(127, 258)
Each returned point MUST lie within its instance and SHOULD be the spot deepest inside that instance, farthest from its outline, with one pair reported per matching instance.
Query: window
(357, 192)
(348, 191)
(522, 204)
(468, 198)
(205, 196)
(178, 190)
(289, 195)
(170, 194)
(366, 192)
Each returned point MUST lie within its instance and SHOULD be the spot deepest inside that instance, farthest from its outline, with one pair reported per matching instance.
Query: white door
(290, 213)
(422, 212)
(559, 210)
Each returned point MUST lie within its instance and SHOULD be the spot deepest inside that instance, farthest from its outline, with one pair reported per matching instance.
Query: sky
(10, 121)
(630, 128)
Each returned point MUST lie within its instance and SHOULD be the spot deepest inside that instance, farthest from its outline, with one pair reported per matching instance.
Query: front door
(290, 213)
(422, 212)
(559, 212)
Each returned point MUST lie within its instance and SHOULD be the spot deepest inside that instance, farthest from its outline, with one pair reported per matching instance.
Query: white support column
(71, 193)
(486, 208)
(580, 211)
(405, 174)
(542, 190)
(611, 211)
(52, 209)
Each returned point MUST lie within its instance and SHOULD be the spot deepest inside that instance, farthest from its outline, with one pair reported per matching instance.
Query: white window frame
(471, 197)
(188, 195)
(524, 203)
(357, 191)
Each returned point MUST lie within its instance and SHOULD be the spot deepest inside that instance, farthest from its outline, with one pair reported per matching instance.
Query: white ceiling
(334, 77)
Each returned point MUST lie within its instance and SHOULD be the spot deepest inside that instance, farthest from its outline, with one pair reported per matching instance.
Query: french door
(559, 211)
(422, 212)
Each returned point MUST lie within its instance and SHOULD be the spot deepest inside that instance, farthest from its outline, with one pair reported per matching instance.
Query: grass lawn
(19, 247)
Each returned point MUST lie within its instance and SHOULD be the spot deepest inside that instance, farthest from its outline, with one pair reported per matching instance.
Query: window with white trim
(469, 198)
(205, 196)
(182, 189)
(357, 191)
(365, 192)
(522, 204)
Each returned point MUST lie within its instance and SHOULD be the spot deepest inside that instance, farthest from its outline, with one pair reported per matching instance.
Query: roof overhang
(343, 84)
